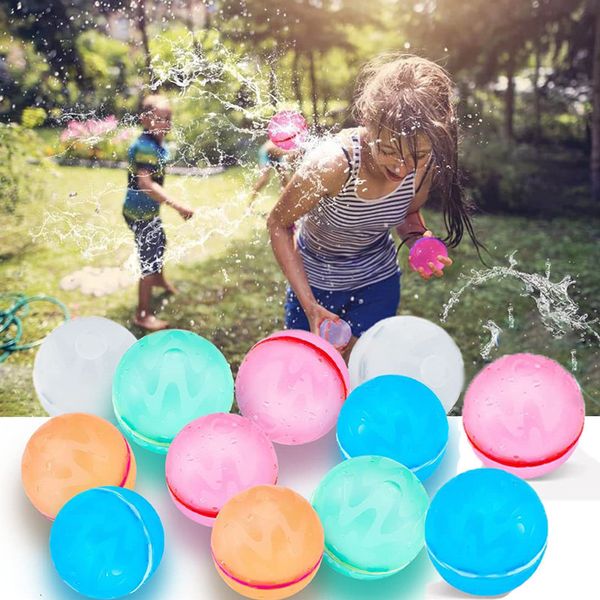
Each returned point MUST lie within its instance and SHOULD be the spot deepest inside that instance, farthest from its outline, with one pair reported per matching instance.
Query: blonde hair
(155, 102)
(411, 96)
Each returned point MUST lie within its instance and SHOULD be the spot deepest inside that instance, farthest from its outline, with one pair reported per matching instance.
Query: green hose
(12, 318)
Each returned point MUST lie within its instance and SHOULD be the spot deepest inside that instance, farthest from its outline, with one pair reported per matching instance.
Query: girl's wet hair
(412, 96)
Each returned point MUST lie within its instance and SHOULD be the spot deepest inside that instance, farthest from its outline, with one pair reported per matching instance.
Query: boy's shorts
(151, 241)
(361, 308)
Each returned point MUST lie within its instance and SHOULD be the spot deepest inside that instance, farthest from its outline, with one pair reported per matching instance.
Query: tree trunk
(595, 154)
(141, 22)
(537, 96)
(510, 98)
(273, 92)
(296, 82)
(313, 88)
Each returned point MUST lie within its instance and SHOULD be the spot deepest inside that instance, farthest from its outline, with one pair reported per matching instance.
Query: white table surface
(570, 568)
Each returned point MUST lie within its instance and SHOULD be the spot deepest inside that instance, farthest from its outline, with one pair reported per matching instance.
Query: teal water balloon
(165, 381)
(486, 531)
(373, 513)
(398, 417)
(106, 542)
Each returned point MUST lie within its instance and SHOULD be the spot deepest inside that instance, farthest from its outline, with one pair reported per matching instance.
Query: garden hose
(12, 318)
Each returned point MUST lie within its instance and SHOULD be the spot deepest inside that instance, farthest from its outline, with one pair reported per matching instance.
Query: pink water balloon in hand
(424, 251)
(524, 413)
(287, 129)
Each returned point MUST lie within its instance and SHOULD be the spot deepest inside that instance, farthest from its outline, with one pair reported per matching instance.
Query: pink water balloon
(212, 459)
(337, 333)
(524, 413)
(292, 385)
(287, 129)
(424, 251)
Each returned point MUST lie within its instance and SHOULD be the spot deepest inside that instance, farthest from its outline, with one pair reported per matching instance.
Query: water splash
(558, 312)
(494, 341)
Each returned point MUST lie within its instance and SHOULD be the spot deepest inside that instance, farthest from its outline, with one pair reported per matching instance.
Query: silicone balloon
(106, 542)
(524, 413)
(72, 453)
(208, 463)
(373, 514)
(74, 366)
(424, 251)
(414, 347)
(292, 385)
(166, 380)
(337, 333)
(287, 129)
(267, 543)
(398, 417)
(486, 532)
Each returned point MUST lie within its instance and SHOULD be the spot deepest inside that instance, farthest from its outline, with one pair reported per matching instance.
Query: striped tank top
(345, 241)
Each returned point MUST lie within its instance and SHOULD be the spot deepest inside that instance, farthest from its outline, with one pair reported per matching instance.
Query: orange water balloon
(267, 543)
(72, 453)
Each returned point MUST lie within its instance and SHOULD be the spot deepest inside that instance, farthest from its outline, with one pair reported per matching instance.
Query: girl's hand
(445, 260)
(316, 314)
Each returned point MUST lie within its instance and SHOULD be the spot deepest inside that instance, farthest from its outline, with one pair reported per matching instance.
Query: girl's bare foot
(150, 323)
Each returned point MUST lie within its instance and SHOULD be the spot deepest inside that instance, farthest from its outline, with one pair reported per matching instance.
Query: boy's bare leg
(163, 283)
(143, 316)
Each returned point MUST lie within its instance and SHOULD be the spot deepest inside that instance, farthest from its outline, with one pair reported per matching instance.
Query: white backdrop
(570, 568)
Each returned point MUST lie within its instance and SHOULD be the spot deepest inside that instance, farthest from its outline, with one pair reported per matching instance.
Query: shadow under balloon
(408, 584)
(572, 480)
(441, 590)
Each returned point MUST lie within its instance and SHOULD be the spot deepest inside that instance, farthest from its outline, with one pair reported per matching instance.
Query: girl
(376, 178)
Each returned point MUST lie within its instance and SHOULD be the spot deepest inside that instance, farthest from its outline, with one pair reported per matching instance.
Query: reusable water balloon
(337, 333)
(373, 513)
(424, 251)
(267, 543)
(287, 129)
(524, 413)
(106, 542)
(411, 346)
(166, 380)
(292, 385)
(72, 453)
(74, 367)
(486, 532)
(398, 417)
(214, 458)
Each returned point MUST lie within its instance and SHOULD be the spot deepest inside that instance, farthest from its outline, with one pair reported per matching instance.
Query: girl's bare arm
(316, 178)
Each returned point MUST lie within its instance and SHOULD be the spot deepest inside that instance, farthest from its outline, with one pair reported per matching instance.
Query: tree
(307, 29)
(595, 155)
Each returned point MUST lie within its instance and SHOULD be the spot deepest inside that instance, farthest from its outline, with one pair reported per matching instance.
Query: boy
(148, 157)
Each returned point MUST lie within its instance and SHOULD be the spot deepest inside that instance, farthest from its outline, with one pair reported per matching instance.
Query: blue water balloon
(398, 417)
(106, 542)
(486, 531)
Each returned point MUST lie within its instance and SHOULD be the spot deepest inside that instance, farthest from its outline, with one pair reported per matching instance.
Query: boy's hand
(186, 213)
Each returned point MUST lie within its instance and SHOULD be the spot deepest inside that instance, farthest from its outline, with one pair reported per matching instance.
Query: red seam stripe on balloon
(128, 466)
(271, 586)
(212, 514)
(317, 349)
(520, 463)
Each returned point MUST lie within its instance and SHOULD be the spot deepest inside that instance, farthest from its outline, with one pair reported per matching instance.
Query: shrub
(19, 182)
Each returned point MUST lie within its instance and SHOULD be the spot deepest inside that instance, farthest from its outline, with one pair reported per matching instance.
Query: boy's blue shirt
(145, 153)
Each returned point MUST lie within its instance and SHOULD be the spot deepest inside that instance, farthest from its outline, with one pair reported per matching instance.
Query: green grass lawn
(231, 290)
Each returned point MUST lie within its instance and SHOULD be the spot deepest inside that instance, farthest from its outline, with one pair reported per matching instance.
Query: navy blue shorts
(361, 308)
(151, 241)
